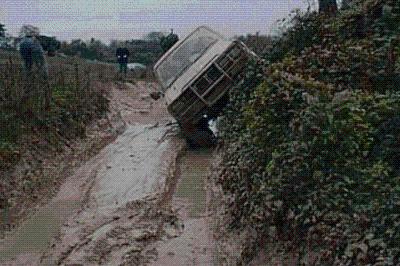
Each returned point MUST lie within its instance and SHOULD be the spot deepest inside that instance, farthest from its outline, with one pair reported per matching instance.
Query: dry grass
(75, 101)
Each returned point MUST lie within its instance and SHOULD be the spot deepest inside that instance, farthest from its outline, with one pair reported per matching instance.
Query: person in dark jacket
(34, 61)
(33, 55)
(122, 58)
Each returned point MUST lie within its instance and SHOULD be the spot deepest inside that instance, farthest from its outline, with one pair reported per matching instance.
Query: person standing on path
(35, 62)
(122, 58)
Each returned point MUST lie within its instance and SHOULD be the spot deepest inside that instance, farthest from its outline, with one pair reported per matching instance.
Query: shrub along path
(311, 142)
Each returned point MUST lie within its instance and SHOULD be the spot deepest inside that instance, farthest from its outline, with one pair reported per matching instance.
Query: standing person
(34, 61)
(122, 58)
(33, 55)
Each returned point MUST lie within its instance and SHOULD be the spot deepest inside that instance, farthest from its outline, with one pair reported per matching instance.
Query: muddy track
(124, 236)
(195, 245)
(131, 204)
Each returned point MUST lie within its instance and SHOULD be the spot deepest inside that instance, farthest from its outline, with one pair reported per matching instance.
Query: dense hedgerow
(312, 141)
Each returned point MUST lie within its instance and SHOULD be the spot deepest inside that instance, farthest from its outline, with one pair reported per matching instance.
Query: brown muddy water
(194, 168)
(34, 235)
(195, 244)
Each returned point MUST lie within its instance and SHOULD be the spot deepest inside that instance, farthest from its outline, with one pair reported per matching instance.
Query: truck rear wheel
(199, 135)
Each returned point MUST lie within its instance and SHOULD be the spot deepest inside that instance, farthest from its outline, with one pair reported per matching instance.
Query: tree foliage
(154, 36)
(29, 29)
(2, 30)
(49, 44)
(168, 41)
(327, 6)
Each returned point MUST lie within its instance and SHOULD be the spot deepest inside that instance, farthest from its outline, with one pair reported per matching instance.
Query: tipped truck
(196, 75)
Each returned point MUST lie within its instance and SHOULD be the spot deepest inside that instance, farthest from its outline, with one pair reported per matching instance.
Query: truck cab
(196, 75)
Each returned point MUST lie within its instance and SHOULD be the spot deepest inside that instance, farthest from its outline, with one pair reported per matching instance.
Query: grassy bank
(31, 136)
(75, 102)
(311, 141)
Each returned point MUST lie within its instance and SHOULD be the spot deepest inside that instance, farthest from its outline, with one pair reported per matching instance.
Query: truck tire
(199, 135)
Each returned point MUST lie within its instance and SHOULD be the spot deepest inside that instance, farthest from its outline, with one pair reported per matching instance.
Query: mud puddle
(194, 167)
(194, 246)
(34, 235)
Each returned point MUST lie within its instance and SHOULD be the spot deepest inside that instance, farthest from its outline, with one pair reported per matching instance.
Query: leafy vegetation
(168, 41)
(312, 140)
(2, 30)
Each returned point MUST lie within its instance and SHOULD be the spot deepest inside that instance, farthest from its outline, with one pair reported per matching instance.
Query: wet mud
(194, 168)
(194, 245)
(142, 200)
(34, 235)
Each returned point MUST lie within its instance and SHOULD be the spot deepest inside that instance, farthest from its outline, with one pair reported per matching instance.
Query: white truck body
(197, 72)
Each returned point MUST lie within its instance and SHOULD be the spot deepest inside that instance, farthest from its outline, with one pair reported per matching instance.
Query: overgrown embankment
(30, 135)
(312, 141)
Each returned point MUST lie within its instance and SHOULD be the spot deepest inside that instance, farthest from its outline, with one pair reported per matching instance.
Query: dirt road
(140, 201)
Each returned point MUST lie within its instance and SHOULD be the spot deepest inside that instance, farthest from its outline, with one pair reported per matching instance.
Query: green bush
(307, 170)
(312, 142)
